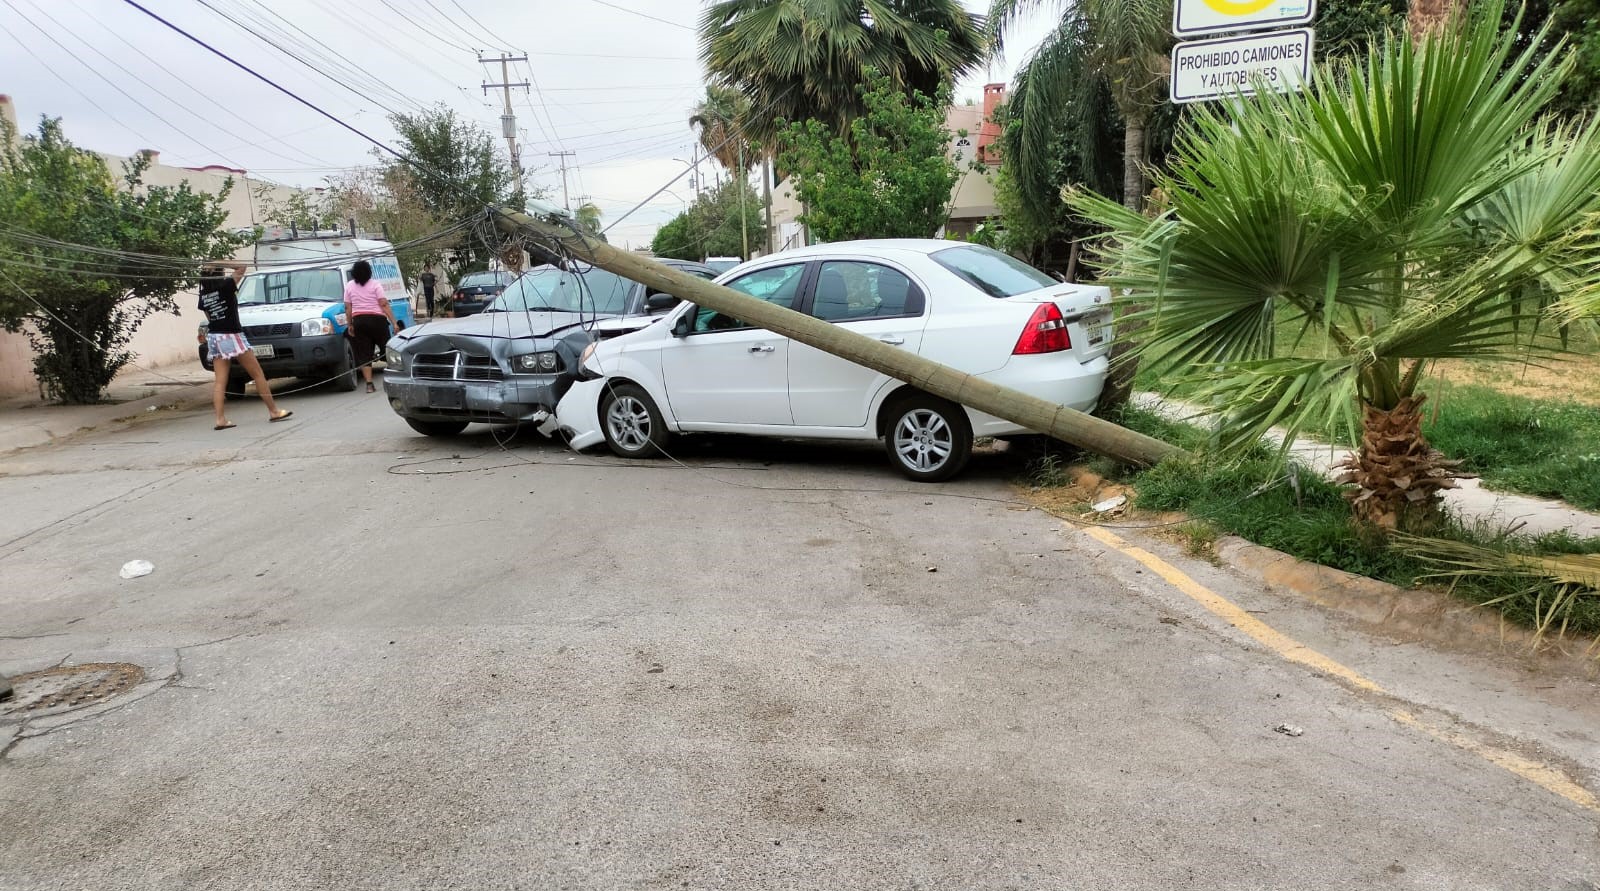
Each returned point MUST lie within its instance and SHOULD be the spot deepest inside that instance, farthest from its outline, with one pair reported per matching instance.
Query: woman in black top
(225, 343)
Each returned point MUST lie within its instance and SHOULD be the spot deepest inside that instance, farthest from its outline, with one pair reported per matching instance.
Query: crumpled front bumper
(578, 414)
(523, 399)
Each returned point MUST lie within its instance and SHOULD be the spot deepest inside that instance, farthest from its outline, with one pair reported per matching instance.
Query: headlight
(315, 327)
(588, 353)
(393, 358)
(536, 363)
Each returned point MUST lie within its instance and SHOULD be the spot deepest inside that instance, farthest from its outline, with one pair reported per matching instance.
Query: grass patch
(1299, 513)
(1540, 447)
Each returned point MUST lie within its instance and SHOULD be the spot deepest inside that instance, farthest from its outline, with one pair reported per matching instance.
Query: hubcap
(629, 423)
(923, 440)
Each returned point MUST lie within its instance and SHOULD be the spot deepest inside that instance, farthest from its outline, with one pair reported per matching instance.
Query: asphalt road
(378, 661)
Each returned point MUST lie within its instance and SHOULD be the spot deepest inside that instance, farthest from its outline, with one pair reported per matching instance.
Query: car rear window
(478, 279)
(993, 273)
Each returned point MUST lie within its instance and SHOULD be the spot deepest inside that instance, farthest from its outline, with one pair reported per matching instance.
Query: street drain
(56, 690)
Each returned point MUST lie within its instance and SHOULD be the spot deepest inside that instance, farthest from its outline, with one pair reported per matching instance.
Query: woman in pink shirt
(369, 314)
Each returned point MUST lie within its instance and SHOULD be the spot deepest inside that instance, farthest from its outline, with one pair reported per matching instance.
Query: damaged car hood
(493, 332)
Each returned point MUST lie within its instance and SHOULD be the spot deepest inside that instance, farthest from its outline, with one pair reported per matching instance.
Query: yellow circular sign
(1238, 7)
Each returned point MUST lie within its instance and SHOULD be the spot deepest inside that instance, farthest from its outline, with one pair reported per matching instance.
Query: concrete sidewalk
(28, 422)
(1470, 502)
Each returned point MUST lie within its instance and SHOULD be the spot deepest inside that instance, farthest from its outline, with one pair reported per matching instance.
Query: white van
(292, 306)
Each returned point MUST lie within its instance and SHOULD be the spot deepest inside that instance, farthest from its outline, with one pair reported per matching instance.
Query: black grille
(444, 367)
(269, 330)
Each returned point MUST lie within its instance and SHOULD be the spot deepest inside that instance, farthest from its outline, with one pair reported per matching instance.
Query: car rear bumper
(1069, 383)
(521, 399)
(291, 356)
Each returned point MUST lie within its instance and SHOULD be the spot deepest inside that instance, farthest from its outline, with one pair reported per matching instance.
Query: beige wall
(163, 338)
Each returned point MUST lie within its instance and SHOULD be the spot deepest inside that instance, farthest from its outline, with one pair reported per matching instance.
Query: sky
(614, 82)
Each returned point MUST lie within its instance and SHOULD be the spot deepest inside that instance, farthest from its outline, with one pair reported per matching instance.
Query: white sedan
(962, 305)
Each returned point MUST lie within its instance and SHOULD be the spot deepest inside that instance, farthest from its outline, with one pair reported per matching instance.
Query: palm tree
(1322, 248)
(797, 60)
(1120, 45)
(719, 119)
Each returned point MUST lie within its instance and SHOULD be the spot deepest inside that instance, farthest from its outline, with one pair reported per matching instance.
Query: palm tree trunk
(1427, 16)
(1397, 475)
(1133, 163)
(1125, 367)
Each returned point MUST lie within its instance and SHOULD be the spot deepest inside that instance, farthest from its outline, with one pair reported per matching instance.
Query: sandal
(283, 417)
(225, 426)
(371, 388)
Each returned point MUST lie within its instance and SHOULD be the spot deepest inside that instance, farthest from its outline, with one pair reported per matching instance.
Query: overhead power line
(645, 15)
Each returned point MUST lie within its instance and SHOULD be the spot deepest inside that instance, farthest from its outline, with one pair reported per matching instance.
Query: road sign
(1227, 66)
(1191, 18)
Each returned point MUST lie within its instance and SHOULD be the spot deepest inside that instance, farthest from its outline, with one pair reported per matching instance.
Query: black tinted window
(848, 290)
(993, 273)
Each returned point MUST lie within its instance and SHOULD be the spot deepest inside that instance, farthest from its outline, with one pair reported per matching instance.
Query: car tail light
(460, 295)
(1046, 333)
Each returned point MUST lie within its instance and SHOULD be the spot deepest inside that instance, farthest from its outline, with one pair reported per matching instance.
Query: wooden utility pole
(1058, 421)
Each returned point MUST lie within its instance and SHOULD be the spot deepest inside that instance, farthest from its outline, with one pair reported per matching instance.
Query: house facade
(163, 338)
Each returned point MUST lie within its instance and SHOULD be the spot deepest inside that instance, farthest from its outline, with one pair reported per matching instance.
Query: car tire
(437, 428)
(345, 376)
(928, 439)
(234, 389)
(631, 422)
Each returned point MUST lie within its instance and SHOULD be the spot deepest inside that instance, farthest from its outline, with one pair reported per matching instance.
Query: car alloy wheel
(927, 438)
(633, 426)
(629, 421)
(923, 440)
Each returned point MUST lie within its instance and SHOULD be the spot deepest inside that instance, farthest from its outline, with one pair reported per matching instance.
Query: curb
(1411, 614)
(21, 433)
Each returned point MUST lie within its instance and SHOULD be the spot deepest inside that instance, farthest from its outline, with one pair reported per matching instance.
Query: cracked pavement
(521, 668)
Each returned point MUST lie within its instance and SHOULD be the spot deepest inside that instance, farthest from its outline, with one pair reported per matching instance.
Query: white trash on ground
(135, 568)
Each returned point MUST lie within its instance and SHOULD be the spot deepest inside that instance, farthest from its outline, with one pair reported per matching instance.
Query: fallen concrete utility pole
(1060, 422)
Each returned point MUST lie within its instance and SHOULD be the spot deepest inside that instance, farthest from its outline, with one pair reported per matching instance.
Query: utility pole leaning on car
(559, 235)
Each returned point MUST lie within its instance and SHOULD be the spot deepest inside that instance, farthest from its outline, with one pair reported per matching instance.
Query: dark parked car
(512, 362)
(477, 289)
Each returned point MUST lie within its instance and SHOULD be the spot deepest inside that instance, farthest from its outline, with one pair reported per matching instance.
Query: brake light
(1046, 332)
(459, 295)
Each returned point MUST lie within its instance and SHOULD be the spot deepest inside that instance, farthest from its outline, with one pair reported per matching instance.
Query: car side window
(848, 291)
(778, 285)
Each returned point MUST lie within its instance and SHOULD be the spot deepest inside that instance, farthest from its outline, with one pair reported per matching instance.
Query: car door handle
(892, 340)
(762, 348)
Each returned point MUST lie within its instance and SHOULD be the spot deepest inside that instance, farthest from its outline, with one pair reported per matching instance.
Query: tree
(85, 259)
(453, 173)
(719, 119)
(802, 60)
(711, 226)
(1349, 28)
(1120, 45)
(888, 176)
(1322, 248)
(301, 209)
(386, 199)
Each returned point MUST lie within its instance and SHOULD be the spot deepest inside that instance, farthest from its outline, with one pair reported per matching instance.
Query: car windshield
(721, 266)
(481, 279)
(295, 286)
(550, 289)
(993, 273)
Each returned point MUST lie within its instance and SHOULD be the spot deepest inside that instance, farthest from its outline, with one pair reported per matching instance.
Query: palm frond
(1558, 583)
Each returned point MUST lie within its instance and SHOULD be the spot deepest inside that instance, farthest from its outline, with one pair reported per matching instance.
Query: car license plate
(446, 397)
(1096, 326)
(263, 351)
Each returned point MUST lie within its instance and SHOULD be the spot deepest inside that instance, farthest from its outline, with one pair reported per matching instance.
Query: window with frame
(779, 285)
(852, 290)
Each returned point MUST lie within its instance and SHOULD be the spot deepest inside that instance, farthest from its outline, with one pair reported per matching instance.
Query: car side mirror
(683, 325)
(659, 301)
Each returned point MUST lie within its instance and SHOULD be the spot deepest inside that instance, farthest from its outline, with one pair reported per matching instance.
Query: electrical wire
(645, 15)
